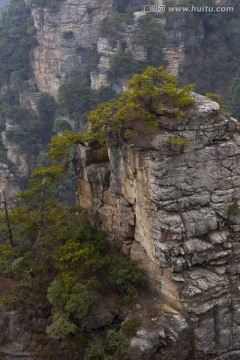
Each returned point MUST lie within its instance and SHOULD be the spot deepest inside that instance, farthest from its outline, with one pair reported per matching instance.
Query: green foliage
(60, 257)
(234, 96)
(79, 301)
(3, 154)
(66, 304)
(32, 30)
(113, 347)
(64, 188)
(81, 256)
(152, 94)
(96, 351)
(45, 233)
(117, 344)
(27, 130)
(63, 148)
(41, 183)
(77, 98)
(233, 209)
(61, 126)
(217, 98)
(7, 255)
(177, 140)
(150, 34)
(8, 101)
(114, 24)
(17, 34)
(213, 66)
(56, 256)
(105, 93)
(123, 64)
(92, 60)
(15, 41)
(131, 326)
(26, 293)
(48, 236)
(61, 327)
(18, 114)
(26, 135)
(57, 295)
(124, 276)
(47, 108)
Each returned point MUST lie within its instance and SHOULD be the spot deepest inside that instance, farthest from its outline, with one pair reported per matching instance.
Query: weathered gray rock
(14, 338)
(59, 57)
(15, 154)
(168, 207)
(144, 345)
(8, 186)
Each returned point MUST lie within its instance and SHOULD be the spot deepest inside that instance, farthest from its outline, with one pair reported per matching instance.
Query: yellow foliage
(177, 140)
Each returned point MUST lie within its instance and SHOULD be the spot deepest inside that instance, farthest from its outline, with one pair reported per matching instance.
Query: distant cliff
(66, 40)
(70, 36)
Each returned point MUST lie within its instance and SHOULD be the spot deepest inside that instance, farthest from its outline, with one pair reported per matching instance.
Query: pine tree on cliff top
(150, 95)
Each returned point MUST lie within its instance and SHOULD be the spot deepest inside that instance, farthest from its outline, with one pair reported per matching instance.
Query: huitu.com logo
(187, 9)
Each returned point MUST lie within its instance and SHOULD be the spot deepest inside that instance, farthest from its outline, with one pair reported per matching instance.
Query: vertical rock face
(175, 208)
(7, 186)
(20, 158)
(69, 36)
(66, 40)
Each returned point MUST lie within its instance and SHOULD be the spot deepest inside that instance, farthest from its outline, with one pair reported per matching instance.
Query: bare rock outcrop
(19, 157)
(176, 209)
(66, 39)
(8, 186)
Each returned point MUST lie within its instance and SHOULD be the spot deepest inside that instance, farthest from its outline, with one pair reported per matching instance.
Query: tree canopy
(150, 95)
(59, 258)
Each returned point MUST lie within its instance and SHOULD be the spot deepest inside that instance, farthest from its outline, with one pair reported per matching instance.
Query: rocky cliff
(69, 37)
(8, 186)
(175, 209)
(66, 39)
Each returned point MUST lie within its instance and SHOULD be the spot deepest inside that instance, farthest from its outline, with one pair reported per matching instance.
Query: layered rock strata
(175, 209)
(66, 39)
